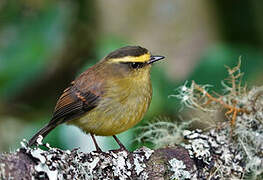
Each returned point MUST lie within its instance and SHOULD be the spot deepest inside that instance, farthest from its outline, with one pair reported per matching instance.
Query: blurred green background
(45, 44)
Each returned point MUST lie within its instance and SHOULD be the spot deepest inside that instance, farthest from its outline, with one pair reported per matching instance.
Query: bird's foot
(98, 149)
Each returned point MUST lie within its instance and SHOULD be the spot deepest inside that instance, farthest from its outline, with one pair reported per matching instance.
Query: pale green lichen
(178, 169)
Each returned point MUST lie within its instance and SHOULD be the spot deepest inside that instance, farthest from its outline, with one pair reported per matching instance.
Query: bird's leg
(120, 144)
(98, 149)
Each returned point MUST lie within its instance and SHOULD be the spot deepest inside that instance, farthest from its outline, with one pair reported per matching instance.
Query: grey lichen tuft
(139, 161)
(2, 171)
(179, 170)
(162, 132)
(215, 156)
(249, 133)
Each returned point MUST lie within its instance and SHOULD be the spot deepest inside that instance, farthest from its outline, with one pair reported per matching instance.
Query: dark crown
(134, 51)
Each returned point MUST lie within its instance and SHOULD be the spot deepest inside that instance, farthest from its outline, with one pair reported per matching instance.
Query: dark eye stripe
(135, 65)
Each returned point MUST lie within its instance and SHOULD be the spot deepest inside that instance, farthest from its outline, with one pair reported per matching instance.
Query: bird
(108, 98)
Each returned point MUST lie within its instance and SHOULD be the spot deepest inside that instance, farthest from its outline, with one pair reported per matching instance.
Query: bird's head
(130, 62)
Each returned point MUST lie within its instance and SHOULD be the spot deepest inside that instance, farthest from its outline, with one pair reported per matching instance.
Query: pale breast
(121, 108)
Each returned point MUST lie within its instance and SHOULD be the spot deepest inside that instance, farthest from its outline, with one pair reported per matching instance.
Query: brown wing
(73, 103)
(82, 96)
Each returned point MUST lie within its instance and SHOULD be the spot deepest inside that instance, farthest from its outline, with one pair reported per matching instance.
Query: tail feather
(43, 132)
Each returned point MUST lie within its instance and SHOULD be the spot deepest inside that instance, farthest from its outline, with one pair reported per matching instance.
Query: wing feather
(79, 98)
(72, 104)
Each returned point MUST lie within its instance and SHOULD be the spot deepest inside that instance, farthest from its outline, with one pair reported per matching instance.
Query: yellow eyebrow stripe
(142, 58)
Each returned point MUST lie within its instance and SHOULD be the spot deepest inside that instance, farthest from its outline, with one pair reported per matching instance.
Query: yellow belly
(116, 112)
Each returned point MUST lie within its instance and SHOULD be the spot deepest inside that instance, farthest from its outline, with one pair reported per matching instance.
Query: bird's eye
(136, 65)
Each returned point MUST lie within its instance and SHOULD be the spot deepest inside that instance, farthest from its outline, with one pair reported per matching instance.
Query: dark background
(45, 44)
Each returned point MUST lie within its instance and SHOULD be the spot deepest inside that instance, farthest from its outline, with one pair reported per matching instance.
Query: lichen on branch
(229, 149)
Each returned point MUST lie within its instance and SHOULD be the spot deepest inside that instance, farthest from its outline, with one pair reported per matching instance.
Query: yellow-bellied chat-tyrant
(109, 97)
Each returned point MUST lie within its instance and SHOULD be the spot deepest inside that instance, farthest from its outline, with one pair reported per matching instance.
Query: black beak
(155, 58)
